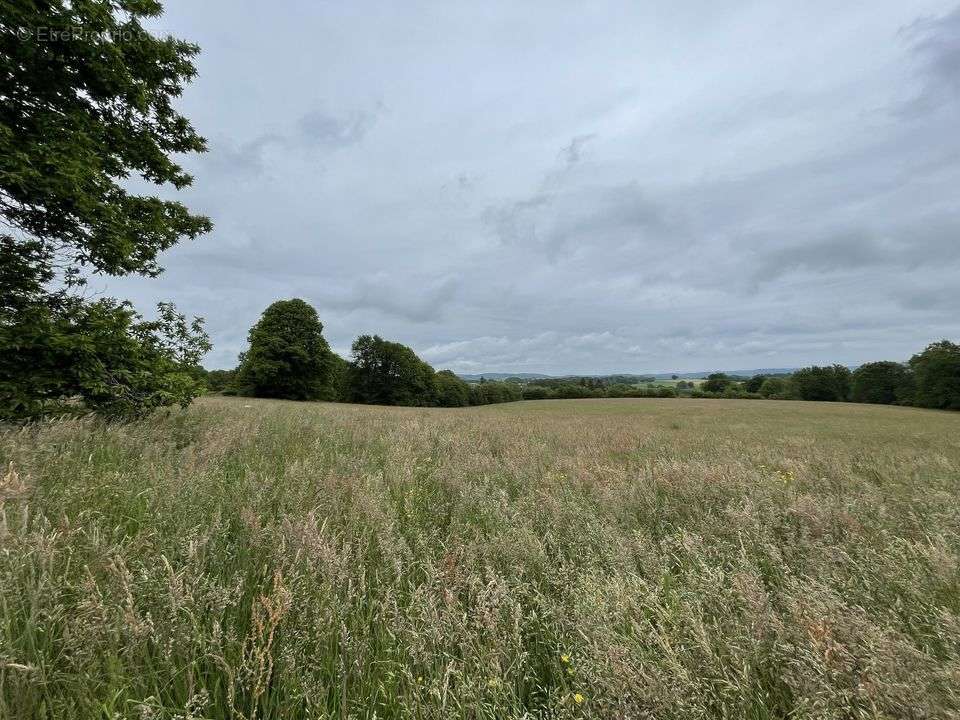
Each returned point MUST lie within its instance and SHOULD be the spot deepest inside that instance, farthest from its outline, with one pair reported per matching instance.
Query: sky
(569, 187)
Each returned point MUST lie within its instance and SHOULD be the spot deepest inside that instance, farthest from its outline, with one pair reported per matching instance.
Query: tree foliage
(716, 383)
(883, 382)
(937, 376)
(776, 388)
(451, 390)
(56, 349)
(88, 102)
(388, 373)
(288, 357)
(88, 99)
(830, 383)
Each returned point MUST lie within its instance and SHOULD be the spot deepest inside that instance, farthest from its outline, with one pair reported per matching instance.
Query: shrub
(75, 356)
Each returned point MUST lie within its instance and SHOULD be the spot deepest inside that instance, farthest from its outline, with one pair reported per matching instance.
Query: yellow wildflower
(578, 698)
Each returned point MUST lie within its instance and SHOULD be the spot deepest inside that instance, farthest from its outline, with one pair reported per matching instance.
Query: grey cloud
(419, 303)
(514, 222)
(614, 218)
(542, 200)
(573, 152)
(316, 130)
(935, 41)
(930, 298)
(331, 131)
(225, 158)
(839, 253)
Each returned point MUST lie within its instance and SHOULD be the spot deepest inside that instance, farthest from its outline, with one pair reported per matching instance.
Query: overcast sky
(577, 187)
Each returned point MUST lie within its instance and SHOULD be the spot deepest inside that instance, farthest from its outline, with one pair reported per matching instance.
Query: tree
(823, 383)
(220, 380)
(754, 384)
(103, 354)
(451, 390)
(882, 382)
(716, 383)
(937, 376)
(339, 378)
(86, 105)
(775, 388)
(489, 393)
(388, 373)
(535, 392)
(288, 357)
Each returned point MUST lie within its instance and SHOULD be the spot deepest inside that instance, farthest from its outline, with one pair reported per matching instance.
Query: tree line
(289, 358)
(81, 113)
(930, 379)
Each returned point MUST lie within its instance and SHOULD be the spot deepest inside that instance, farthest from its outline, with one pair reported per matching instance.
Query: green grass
(591, 558)
(667, 382)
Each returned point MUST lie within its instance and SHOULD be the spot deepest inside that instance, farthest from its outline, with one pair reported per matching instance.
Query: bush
(220, 380)
(73, 356)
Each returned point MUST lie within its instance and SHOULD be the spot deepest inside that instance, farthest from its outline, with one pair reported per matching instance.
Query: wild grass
(563, 559)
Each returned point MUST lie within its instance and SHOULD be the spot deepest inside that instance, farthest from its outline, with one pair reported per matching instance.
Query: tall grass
(621, 559)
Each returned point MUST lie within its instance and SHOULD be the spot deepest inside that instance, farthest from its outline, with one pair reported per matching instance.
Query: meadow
(561, 559)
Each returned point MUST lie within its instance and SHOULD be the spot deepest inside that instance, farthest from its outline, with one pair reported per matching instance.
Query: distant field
(586, 558)
(673, 383)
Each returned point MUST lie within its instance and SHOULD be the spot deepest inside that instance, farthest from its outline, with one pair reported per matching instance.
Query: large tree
(822, 383)
(451, 390)
(288, 356)
(87, 104)
(388, 373)
(884, 382)
(937, 376)
(717, 383)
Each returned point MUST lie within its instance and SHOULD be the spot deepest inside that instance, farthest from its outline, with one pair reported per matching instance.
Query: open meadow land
(594, 558)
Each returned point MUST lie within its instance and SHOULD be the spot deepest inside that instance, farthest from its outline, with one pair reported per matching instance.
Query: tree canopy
(288, 357)
(822, 383)
(937, 376)
(86, 106)
(883, 382)
(388, 373)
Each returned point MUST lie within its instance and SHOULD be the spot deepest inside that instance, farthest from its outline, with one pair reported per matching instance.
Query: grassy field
(592, 558)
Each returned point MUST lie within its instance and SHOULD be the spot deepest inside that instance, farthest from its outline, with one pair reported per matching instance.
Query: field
(592, 558)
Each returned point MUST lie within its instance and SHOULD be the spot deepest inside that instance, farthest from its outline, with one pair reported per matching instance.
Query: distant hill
(742, 373)
(503, 376)
(624, 377)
